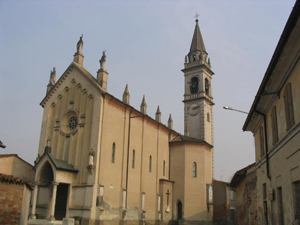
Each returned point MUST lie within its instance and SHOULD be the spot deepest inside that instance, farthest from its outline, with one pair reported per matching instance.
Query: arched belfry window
(194, 169)
(194, 85)
(207, 86)
(113, 153)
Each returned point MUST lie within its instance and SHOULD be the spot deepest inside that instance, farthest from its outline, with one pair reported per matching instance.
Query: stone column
(34, 200)
(53, 200)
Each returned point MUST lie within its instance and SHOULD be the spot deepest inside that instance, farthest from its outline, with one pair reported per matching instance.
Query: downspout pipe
(128, 151)
(128, 148)
(266, 142)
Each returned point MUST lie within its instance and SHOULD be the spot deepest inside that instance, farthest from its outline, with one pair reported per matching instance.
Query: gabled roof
(58, 163)
(82, 71)
(197, 42)
(14, 180)
(240, 175)
(186, 139)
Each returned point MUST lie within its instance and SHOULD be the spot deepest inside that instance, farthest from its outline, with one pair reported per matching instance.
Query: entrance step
(44, 222)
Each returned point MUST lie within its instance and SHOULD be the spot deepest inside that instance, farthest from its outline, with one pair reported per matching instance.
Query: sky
(146, 43)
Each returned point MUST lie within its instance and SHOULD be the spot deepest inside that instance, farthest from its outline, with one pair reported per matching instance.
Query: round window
(73, 122)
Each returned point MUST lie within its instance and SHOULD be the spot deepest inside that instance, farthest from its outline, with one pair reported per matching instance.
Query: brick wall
(10, 203)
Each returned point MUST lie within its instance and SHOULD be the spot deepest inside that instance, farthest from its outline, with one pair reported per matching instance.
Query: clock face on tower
(193, 109)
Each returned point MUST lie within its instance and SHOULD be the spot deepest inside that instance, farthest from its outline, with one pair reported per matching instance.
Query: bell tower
(198, 99)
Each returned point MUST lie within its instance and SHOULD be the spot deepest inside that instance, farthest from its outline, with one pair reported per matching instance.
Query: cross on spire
(196, 16)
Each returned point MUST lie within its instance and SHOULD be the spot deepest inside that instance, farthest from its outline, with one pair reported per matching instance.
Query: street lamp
(229, 108)
(2, 145)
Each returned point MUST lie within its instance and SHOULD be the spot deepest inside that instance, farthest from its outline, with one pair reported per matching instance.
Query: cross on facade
(168, 195)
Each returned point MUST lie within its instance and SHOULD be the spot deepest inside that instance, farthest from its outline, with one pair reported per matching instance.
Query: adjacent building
(224, 203)
(244, 183)
(100, 160)
(16, 176)
(274, 120)
(12, 164)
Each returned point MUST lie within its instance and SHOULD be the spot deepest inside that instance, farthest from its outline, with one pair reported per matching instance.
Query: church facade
(102, 161)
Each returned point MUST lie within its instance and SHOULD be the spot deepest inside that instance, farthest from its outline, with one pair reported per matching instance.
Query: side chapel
(101, 160)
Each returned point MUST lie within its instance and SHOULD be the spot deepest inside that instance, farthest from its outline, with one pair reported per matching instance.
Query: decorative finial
(126, 95)
(48, 142)
(52, 77)
(196, 16)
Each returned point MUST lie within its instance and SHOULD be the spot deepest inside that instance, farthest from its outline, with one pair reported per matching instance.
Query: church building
(101, 161)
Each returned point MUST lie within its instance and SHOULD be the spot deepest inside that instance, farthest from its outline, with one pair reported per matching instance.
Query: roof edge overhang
(290, 25)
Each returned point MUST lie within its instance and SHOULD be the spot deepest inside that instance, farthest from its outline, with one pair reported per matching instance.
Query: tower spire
(197, 41)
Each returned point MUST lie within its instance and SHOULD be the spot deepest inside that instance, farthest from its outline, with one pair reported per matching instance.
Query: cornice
(196, 65)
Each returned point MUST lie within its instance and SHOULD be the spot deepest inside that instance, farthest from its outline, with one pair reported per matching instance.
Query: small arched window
(113, 153)
(208, 117)
(194, 169)
(164, 168)
(150, 164)
(133, 158)
(194, 88)
(207, 86)
(194, 58)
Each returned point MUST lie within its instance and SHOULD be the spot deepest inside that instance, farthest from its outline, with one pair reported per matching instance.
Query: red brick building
(14, 200)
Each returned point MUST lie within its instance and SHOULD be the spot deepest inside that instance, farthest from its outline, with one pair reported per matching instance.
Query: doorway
(61, 201)
(179, 210)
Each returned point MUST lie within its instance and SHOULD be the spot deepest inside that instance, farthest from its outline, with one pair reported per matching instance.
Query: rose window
(73, 122)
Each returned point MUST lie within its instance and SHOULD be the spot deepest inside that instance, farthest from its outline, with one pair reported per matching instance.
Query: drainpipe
(266, 142)
(128, 146)
(128, 151)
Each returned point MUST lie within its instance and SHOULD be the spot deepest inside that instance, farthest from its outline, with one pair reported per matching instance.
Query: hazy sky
(145, 43)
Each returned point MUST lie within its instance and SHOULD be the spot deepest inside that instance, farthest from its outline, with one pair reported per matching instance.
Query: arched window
(150, 164)
(194, 169)
(194, 57)
(208, 117)
(133, 158)
(47, 174)
(113, 153)
(194, 85)
(164, 168)
(289, 107)
(207, 86)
